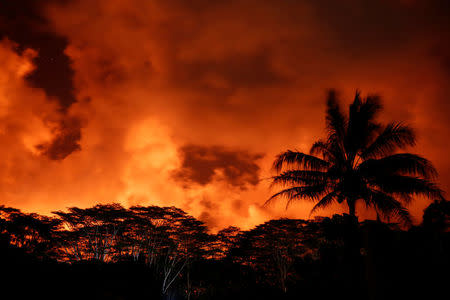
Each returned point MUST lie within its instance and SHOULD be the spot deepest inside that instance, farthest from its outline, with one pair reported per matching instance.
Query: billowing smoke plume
(186, 103)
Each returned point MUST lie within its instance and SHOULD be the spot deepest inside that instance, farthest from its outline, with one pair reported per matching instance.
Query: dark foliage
(122, 253)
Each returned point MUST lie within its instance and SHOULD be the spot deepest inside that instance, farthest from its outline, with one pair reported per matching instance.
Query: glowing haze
(186, 103)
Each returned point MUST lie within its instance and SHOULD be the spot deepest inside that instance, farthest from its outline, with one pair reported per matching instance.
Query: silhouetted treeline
(109, 252)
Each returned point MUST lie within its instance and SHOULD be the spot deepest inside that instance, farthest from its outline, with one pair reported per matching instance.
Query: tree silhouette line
(177, 257)
(111, 252)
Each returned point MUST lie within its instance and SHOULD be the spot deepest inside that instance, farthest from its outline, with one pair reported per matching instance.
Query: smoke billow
(186, 103)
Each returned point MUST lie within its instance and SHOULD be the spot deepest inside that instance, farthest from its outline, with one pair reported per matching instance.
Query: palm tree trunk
(351, 207)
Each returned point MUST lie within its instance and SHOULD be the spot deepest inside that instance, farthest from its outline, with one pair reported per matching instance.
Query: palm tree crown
(359, 161)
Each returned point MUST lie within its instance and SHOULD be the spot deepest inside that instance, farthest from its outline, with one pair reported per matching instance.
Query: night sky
(186, 103)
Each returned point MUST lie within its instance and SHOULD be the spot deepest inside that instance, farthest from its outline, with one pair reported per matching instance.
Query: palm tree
(359, 161)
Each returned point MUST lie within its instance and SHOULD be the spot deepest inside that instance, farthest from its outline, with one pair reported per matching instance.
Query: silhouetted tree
(437, 215)
(168, 240)
(273, 248)
(222, 242)
(358, 162)
(32, 232)
(92, 233)
(436, 231)
(149, 230)
(162, 252)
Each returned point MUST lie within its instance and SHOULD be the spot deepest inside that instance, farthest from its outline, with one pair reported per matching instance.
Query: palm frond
(394, 136)
(322, 148)
(361, 123)
(299, 160)
(330, 151)
(335, 118)
(389, 206)
(370, 107)
(311, 192)
(297, 177)
(398, 164)
(406, 186)
(325, 201)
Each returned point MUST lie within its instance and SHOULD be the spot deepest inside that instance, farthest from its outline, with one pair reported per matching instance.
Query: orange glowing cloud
(186, 103)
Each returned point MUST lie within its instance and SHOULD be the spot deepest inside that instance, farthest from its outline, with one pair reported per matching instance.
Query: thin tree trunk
(351, 207)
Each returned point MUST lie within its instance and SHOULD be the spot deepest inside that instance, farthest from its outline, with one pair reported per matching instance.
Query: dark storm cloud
(236, 71)
(200, 164)
(370, 25)
(66, 140)
(23, 22)
(368, 29)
